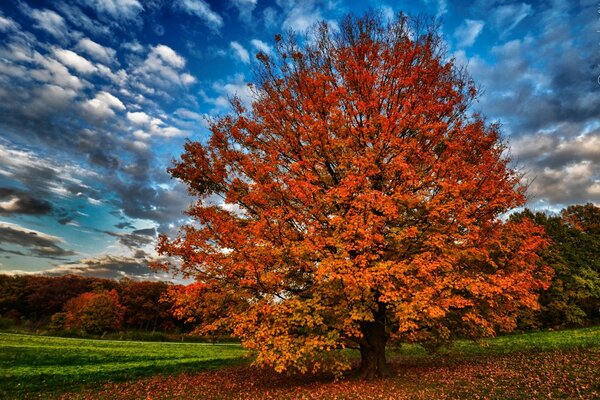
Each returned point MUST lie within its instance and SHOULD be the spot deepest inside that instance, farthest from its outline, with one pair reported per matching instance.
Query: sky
(97, 98)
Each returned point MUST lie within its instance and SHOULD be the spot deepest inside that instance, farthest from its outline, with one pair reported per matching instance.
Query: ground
(540, 365)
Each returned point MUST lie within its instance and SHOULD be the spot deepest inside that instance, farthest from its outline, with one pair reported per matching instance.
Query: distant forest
(92, 306)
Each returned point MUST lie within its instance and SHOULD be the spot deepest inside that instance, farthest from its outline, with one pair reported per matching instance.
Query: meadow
(561, 364)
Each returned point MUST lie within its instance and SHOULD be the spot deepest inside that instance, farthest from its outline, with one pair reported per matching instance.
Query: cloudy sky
(98, 96)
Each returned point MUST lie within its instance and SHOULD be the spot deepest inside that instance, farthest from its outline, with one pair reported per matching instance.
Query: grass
(38, 366)
(561, 364)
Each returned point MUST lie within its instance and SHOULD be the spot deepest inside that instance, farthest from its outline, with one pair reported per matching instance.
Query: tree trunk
(372, 352)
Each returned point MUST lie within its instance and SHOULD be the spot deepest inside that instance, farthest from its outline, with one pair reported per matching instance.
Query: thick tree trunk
(372, 352)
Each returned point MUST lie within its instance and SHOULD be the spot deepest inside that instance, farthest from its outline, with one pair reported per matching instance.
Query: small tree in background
(95, 312)
(360, 203)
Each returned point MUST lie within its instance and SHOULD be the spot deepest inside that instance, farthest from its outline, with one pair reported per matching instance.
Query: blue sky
(98, 96)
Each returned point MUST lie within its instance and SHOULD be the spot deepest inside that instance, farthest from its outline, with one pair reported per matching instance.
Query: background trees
(573, 298)
(95, 312)
(361, 203)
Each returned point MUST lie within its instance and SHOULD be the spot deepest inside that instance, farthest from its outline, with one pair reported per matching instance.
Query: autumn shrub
(95, 312)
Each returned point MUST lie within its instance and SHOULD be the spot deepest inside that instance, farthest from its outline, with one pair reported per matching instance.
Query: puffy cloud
(36, 243)
(50, 21)
(98, 52)
(139, 117)
(468, 31)
(162, 68)
(103, 105)
(14, 201)
(75, 61)
(202, 10)
(240, 52)
(168, 55)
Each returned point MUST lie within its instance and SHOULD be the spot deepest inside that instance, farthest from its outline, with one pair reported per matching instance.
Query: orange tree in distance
(360, 203)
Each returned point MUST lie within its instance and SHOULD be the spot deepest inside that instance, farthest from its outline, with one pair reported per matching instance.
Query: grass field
(39, 366)
(542, 365)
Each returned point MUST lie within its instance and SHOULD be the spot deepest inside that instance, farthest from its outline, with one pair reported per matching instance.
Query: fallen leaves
(526, 375)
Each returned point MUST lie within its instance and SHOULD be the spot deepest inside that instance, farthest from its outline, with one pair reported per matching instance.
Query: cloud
(506, 17)
(98, 52)
(245, 9)
(139, 118)
(117, 10)
(168, 55)
(542, 89)
(110, 267)
(37, 243)
(299, 16)
(235, 86)
(136, 239)
(202, 10)
(441, 6)
(7, 24)
(102, 106)
(13, 201)
(468, 31)
(162, 69)
(261, 46)
(50, 22)
(240, 52)
(75, 61)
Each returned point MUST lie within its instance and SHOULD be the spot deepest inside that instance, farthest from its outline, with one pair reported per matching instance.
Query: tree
(95, 312)
(360, 201)
(142, 301)
(573, 298)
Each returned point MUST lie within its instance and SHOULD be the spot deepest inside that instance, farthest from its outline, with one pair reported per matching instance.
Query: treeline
(573, 298)
(87, 305)
(94, 306)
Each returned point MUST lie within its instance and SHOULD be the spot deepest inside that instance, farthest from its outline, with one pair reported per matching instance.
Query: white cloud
(240, 52)
(138, 117)
(54, 72)
(103, 105)
(236, 86)
(120, 10)
(162, 68)
(151, 126)
(468, 31)
(75, 61)
(506, 17)
(7, 24)
(168, 55)
(259, 45)
(301, 15)
(50, 22)
(202, 10)
(98, 52)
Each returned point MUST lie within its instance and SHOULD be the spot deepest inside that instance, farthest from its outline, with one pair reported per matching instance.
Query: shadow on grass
(41, 385)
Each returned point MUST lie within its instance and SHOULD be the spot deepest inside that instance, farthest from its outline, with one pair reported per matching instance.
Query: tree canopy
(357, 200)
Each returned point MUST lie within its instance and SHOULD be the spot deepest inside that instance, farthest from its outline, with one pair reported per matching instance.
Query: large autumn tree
(355, 201)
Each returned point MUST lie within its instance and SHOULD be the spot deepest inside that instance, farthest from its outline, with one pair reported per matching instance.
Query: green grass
(43, 367)
(564, 340)
(39, 366)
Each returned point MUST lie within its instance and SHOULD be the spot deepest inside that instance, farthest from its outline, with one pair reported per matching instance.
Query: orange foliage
(95, 312)
(362, 202)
